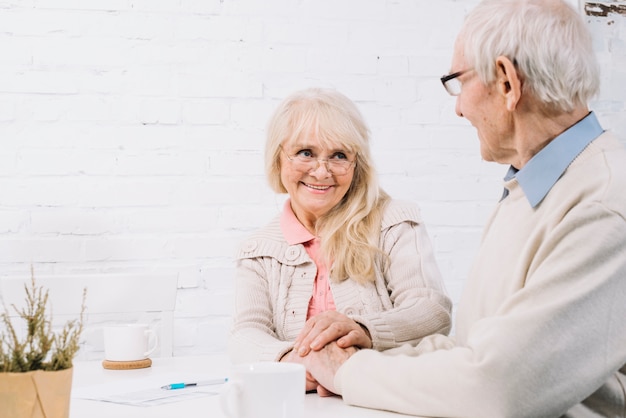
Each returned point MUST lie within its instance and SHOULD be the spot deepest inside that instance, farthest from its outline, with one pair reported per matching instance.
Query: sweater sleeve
(412, 283)
(549, 346)
(253, 336)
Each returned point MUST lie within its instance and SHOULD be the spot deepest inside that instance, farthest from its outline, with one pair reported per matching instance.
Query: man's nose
(457, 107)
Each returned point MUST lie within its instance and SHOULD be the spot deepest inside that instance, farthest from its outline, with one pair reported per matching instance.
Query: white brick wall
(131, 131)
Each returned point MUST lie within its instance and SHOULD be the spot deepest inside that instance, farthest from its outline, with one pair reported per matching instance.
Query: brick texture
(132, 131)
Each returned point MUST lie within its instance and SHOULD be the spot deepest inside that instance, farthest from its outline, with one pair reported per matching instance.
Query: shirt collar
(542, 172)
(293, 231)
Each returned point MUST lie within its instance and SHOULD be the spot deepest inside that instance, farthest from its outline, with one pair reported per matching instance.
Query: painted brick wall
(131, 131)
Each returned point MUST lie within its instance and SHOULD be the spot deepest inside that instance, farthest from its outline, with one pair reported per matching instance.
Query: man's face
(485, 108)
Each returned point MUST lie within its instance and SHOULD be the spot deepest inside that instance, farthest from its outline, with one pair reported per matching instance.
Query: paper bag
(36, 394)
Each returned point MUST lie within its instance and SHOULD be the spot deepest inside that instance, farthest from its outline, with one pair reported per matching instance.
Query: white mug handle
(230, 399)
(155, 341)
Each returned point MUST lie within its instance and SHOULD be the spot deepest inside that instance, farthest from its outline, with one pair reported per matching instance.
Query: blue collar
(542, 172)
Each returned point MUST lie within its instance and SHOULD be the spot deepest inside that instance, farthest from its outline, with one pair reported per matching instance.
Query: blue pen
(200, 383)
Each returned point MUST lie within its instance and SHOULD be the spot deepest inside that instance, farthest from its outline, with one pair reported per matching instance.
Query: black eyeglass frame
(446, 78)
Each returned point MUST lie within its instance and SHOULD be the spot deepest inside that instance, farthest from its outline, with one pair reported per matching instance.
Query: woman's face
(312, 188)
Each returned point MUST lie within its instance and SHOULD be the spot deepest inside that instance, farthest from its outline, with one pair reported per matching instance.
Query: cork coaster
(126, 365)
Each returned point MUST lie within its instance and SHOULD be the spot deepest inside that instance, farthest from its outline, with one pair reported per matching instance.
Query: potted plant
(35, 361)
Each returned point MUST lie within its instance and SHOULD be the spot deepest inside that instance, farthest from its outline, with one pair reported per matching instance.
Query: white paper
(145, 391)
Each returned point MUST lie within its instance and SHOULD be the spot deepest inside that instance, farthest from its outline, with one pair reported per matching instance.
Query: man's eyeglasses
(304, 161)
(451, 82)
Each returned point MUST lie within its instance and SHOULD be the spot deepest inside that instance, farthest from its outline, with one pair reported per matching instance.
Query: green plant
(40, 348)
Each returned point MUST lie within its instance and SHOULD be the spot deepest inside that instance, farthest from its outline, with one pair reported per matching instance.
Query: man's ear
(508, 82)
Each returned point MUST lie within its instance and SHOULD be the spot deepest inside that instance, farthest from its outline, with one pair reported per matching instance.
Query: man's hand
(292, 357)
(330, 326)
(323, 364)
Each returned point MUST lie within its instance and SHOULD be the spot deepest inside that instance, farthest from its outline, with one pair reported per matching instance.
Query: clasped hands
(326, 341)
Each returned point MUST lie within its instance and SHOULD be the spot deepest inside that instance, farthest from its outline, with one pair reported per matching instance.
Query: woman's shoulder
(269, 241)
(398, 211)
(269, 232)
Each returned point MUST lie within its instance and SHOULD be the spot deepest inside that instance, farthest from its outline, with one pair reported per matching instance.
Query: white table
(87, 374)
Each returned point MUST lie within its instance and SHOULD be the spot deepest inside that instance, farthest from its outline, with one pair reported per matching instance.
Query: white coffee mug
(129, 342)
(265, 389)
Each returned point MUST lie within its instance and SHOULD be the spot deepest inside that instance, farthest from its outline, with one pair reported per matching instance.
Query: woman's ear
(509, 83)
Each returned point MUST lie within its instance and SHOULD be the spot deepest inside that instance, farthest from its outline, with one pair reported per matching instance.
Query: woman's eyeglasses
(304, 161)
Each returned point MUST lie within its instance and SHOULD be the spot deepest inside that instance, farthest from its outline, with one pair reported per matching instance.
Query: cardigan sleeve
(253, 336)
(410, 281)
(273, 282)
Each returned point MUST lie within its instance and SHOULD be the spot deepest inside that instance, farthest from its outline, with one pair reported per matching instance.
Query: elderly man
(541, 325)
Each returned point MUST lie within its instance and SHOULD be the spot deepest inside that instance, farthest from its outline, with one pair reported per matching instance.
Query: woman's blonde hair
(350, 231)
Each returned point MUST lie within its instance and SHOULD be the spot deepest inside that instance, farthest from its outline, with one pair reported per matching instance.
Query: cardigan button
(292, 253)
(250, 246)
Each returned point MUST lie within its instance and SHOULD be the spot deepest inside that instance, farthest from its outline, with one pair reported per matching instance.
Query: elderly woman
(342, 262)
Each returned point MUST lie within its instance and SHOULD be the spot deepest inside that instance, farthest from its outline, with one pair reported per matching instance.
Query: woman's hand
(293, 357)
(327, 327)
(323, 365)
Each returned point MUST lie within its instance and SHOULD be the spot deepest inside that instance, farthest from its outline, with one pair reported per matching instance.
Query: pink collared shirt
(295, 233)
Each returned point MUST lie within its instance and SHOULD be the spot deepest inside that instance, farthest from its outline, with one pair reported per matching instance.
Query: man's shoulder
(604, 159)
(597, 175)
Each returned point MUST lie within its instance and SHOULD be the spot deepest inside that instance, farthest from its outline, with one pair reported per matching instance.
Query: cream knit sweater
(274, 282)
(541, 326)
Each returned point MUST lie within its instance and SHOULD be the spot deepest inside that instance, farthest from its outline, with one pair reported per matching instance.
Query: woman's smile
(317, 187)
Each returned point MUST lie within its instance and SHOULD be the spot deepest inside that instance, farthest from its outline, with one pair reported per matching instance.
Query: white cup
(265, 389)
(129, 342)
